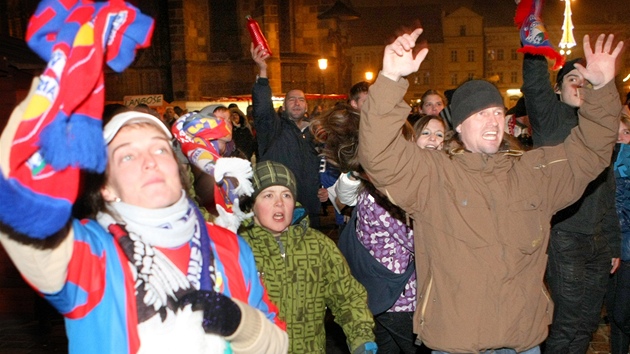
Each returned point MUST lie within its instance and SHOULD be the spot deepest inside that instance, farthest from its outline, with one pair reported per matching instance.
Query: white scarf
(168, 227)
(157, 280)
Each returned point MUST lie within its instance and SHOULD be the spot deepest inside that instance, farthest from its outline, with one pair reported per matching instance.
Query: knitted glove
(366, 348)
(534, 36)
(221, 315)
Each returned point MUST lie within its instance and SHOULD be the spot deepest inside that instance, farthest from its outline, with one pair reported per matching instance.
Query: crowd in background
(464, 225)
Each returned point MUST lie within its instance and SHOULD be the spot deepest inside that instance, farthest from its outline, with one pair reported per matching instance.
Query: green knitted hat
(271, 173)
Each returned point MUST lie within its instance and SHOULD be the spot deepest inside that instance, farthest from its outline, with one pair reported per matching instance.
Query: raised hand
(259, 54)
(600, 63)
(398, 59)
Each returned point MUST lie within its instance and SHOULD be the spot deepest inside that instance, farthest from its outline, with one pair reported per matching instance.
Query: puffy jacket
(305, 273)
(482, 221)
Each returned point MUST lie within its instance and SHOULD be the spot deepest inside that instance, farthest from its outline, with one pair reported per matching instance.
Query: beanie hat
(131, 117)
(567, 68)
(271, 173)
(471, 97)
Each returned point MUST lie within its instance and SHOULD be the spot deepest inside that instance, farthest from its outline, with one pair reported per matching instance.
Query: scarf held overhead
(60, 131)
(534, 36)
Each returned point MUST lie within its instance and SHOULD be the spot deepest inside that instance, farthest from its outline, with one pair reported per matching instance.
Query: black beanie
(567, 68)
(472, 97)
(271, 173)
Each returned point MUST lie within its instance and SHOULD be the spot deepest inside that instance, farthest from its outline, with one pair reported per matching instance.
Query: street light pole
(323, 64)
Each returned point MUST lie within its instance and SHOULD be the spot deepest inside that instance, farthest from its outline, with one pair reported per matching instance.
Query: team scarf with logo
(60, 129)
(534, 36)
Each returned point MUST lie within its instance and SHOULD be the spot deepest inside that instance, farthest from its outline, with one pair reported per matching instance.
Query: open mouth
(490, 136)
(278, 216)
(431, 147)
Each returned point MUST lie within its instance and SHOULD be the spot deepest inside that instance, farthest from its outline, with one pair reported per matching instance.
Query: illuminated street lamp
(369, 76)
(323, 63)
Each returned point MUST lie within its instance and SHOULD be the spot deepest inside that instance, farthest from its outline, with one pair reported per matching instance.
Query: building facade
(200, 48)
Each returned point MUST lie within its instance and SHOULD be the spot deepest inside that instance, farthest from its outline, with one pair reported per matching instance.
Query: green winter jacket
(304, 273)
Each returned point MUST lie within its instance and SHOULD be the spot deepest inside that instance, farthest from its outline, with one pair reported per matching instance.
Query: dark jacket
(481, 222)
(552, 121)
(244, 140)
(280, 140)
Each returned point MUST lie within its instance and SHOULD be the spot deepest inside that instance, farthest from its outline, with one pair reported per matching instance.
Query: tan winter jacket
(482, 221)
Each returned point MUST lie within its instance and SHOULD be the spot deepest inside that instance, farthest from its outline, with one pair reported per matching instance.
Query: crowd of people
(200, 230)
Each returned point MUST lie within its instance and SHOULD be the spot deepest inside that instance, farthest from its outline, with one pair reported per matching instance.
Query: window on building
(462, 30)
(224, 27)
(286, 25)
(358, 58)
(454, 80)
(491, 54)
(471, 76)
(471, 55)
(500, 77)
(514, 77)
(453, 56)
(513, 54)
(499, 54)
(293, 75)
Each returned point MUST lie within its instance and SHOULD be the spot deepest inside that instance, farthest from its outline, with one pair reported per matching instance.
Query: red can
(257, 36)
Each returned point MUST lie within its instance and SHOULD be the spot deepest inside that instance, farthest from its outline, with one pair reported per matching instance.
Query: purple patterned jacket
(390, 241)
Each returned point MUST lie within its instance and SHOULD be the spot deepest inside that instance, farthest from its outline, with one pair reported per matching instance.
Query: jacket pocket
(468, 220)
(425, 302)
(526, 231)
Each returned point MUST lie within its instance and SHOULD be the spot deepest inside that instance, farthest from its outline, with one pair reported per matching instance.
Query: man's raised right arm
(265, 119)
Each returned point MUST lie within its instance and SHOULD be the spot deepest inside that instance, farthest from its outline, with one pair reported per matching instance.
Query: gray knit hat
(271, 173)
(472, 97)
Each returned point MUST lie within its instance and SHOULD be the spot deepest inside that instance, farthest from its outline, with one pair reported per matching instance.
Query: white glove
(231, 221)
(227, 220)
(237, 168)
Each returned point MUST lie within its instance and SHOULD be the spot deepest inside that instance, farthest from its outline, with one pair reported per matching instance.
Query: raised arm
(265, 118)
(40, 252)
(392, 163)
(589, 146)
(547, 114)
